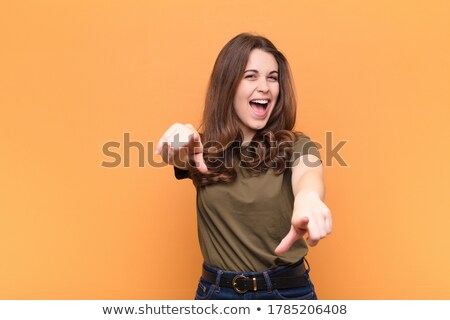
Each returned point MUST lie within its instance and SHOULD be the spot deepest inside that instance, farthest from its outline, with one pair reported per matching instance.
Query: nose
(262, 85)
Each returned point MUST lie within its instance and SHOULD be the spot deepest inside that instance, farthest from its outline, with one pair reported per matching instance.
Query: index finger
(293, 235)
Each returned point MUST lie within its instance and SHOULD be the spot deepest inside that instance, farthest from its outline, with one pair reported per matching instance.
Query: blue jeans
(210, 291)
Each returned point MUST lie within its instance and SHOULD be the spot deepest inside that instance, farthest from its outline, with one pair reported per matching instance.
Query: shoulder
(301, 138)
(303, 145)
(303, 141)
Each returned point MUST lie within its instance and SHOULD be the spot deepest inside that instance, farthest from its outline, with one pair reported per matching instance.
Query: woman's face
(257, 92)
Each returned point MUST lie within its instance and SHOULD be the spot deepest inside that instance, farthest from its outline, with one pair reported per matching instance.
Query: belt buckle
(234, 283)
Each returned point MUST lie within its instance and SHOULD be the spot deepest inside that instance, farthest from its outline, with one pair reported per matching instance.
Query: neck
(248, 136)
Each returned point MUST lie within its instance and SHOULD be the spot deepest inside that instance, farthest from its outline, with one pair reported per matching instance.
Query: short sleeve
(303, 145)
(180, 173)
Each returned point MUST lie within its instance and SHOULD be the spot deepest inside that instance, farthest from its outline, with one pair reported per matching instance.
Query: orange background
(77, 74)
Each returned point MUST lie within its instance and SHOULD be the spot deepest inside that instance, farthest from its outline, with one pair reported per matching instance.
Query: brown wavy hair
(272, 146)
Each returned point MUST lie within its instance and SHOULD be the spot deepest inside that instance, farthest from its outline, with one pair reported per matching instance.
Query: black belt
(290, 278)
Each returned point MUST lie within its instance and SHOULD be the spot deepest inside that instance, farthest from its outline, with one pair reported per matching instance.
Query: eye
(250, 76)
(273, 78)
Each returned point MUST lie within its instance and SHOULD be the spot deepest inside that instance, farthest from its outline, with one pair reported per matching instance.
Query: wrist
(307, 193)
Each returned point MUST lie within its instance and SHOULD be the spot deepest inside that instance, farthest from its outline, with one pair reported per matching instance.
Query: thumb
(200, 163)
(197, 153)
(293, 235)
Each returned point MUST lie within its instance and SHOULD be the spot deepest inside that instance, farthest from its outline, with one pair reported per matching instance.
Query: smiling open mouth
(259, 106)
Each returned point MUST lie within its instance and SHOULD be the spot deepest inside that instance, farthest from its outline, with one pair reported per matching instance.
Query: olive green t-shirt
(242, 222)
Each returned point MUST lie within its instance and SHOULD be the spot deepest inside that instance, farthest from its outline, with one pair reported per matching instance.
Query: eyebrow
(254, 70)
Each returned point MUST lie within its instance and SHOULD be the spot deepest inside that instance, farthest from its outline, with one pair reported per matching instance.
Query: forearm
(309, 214)
(310, 182)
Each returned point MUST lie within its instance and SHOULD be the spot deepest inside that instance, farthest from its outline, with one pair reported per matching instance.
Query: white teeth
(260, 101)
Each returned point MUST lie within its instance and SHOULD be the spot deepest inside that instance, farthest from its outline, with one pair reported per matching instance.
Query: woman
(259, 184)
